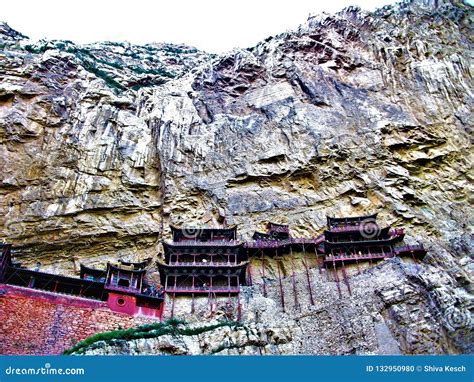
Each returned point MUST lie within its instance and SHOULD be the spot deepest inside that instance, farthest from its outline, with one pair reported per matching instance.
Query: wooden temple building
(212, 262)
(351, 240)
(120, 285)
(209, 262)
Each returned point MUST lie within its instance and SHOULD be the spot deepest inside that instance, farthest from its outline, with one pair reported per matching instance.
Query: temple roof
(363, 243)
(121, 267)
(261, 236)
(277, 225)
(136, 265)
(200, 229)
(92, 271)
(349, 219)
(203, 234)
(383, 233)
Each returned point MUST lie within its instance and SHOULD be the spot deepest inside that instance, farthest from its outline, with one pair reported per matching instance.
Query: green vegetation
(173, 327)
(90, 62)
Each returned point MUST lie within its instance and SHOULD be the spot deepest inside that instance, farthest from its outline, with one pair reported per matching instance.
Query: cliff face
(104, 145)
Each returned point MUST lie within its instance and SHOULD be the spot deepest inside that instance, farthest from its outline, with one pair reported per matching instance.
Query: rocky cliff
(102, 146)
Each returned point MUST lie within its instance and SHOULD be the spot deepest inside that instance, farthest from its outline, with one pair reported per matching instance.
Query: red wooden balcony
(206, 289)
(346, 228)
(281, 243)
(197, 243)
(347, 257)
(408, 250)
(202, 264)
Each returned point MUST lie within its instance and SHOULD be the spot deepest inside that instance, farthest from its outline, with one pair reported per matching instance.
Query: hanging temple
(213, 262)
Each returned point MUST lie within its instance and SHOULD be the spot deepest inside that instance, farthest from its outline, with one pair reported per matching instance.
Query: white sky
(211, 25)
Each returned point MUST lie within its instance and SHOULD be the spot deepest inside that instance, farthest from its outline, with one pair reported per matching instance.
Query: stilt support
(239, 308)
(282, 295)
(293, 280)
(336, 277)
(311, 300)
(317, 260)
(263, 277)
(346, 279)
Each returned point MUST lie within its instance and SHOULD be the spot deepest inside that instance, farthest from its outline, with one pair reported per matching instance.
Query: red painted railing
(355, 228)
(362, 257)
(282, 243)
(214, 289)
(410, 248)
(347, 228)
(201, 264)
(196, 243)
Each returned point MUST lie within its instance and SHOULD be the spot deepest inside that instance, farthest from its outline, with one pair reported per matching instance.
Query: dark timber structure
(357, 239)
(207, 262)
(275, 243)
(211, 262)
(121, 285)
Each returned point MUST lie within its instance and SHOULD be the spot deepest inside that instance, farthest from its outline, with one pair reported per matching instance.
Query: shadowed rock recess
(102, 146)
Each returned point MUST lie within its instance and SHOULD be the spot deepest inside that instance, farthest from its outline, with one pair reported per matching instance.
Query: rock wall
(104, 145)
(42, 323)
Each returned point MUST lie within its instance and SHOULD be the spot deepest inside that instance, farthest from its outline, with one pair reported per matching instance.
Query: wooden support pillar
(414, 260)
(239, 308)
(293, 279)
(249, 275)
(282, 294)
(192, 303)
(357, 262)
(263, 277)
(317, 260)
(210, 296)
(336, 277)
(174, 297)
(346, 279)
(311, 301)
